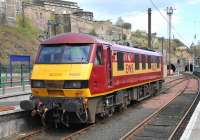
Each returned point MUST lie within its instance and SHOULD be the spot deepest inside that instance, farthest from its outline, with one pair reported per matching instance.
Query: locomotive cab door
(108, 64)
(101, 77)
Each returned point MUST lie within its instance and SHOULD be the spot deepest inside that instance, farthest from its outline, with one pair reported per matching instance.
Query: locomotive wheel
(109, 111)
(82, 116)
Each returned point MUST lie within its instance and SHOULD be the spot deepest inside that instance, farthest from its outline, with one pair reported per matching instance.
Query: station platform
(10, 100)
(192, 131)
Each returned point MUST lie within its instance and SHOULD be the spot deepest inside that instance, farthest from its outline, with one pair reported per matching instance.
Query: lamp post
(169, 13)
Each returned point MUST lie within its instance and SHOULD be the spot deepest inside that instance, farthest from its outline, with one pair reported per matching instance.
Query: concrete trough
(16, 122)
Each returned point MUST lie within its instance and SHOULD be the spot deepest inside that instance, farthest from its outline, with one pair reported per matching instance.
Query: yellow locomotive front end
(62, 71)
(59, 84)
(61, 80)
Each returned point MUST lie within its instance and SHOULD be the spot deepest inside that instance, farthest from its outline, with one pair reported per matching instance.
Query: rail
(144, 122)
(187, 114)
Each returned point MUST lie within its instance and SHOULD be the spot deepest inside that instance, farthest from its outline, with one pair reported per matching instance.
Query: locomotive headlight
(75, 84)
(37, 84)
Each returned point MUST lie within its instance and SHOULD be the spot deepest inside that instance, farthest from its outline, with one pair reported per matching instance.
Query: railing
(17, 80)
(21, 86)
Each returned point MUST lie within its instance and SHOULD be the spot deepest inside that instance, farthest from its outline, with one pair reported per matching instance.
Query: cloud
(132, 11)
(135, 12)
(193, 1)
(114, 8)
(139, 20)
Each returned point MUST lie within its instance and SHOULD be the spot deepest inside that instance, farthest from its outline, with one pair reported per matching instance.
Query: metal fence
(17, 76)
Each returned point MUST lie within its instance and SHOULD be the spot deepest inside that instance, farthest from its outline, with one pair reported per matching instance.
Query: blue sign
(21, 58)
(18, 58)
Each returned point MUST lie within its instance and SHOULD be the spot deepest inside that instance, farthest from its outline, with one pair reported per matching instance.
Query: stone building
(58, 6)
(84, 14)
(42, 12)
(2, 12)
(58, 16)
(103, 29)
(9, 9)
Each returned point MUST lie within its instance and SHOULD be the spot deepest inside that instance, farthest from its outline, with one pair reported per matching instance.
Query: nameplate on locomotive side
(55, 74)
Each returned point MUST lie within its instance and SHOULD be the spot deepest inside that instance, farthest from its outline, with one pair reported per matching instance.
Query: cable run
(154, 5)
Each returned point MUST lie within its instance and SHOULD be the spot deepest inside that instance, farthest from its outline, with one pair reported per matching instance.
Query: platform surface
(10, 100)
(6, 108)
(192, 131)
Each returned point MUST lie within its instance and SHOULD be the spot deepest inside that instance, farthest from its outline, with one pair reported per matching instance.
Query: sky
(185, 18)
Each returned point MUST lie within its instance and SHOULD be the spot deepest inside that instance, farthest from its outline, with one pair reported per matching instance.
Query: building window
(40, 15)
(143, 61)
(98, 59)
(149, 62)
(158, 61)
(137, 64)
(120, 61)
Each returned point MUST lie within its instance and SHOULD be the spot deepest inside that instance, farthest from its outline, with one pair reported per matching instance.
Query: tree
(25, 25)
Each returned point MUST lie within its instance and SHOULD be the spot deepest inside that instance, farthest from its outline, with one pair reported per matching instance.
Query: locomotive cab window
(63, 54)
(137, 64)
(158, 61)
(143, 61)
(98, 59)
(149, 62)
(120, 61)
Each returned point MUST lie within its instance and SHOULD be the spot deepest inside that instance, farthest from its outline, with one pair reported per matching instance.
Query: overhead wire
(154, 5)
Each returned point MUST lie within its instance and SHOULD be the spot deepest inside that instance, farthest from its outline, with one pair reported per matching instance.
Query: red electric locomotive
(77, 77)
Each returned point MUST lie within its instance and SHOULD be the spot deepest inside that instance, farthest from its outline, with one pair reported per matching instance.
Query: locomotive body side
(124, 73)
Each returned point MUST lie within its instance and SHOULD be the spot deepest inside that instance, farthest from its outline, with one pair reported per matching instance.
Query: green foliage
(124, 37)
(195, 49)
(140, 38)
(178, 42)
(52, 17)
(140, 34)
(25, 26)
(15, 41)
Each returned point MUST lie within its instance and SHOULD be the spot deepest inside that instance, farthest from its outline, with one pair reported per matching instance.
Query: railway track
(178, 131)
(172, 83)
(55, 134)
(166, 121)
(45, 133)
(175, 79)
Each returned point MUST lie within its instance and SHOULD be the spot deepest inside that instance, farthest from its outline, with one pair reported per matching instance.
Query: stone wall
(79, 25)
(39, 16)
